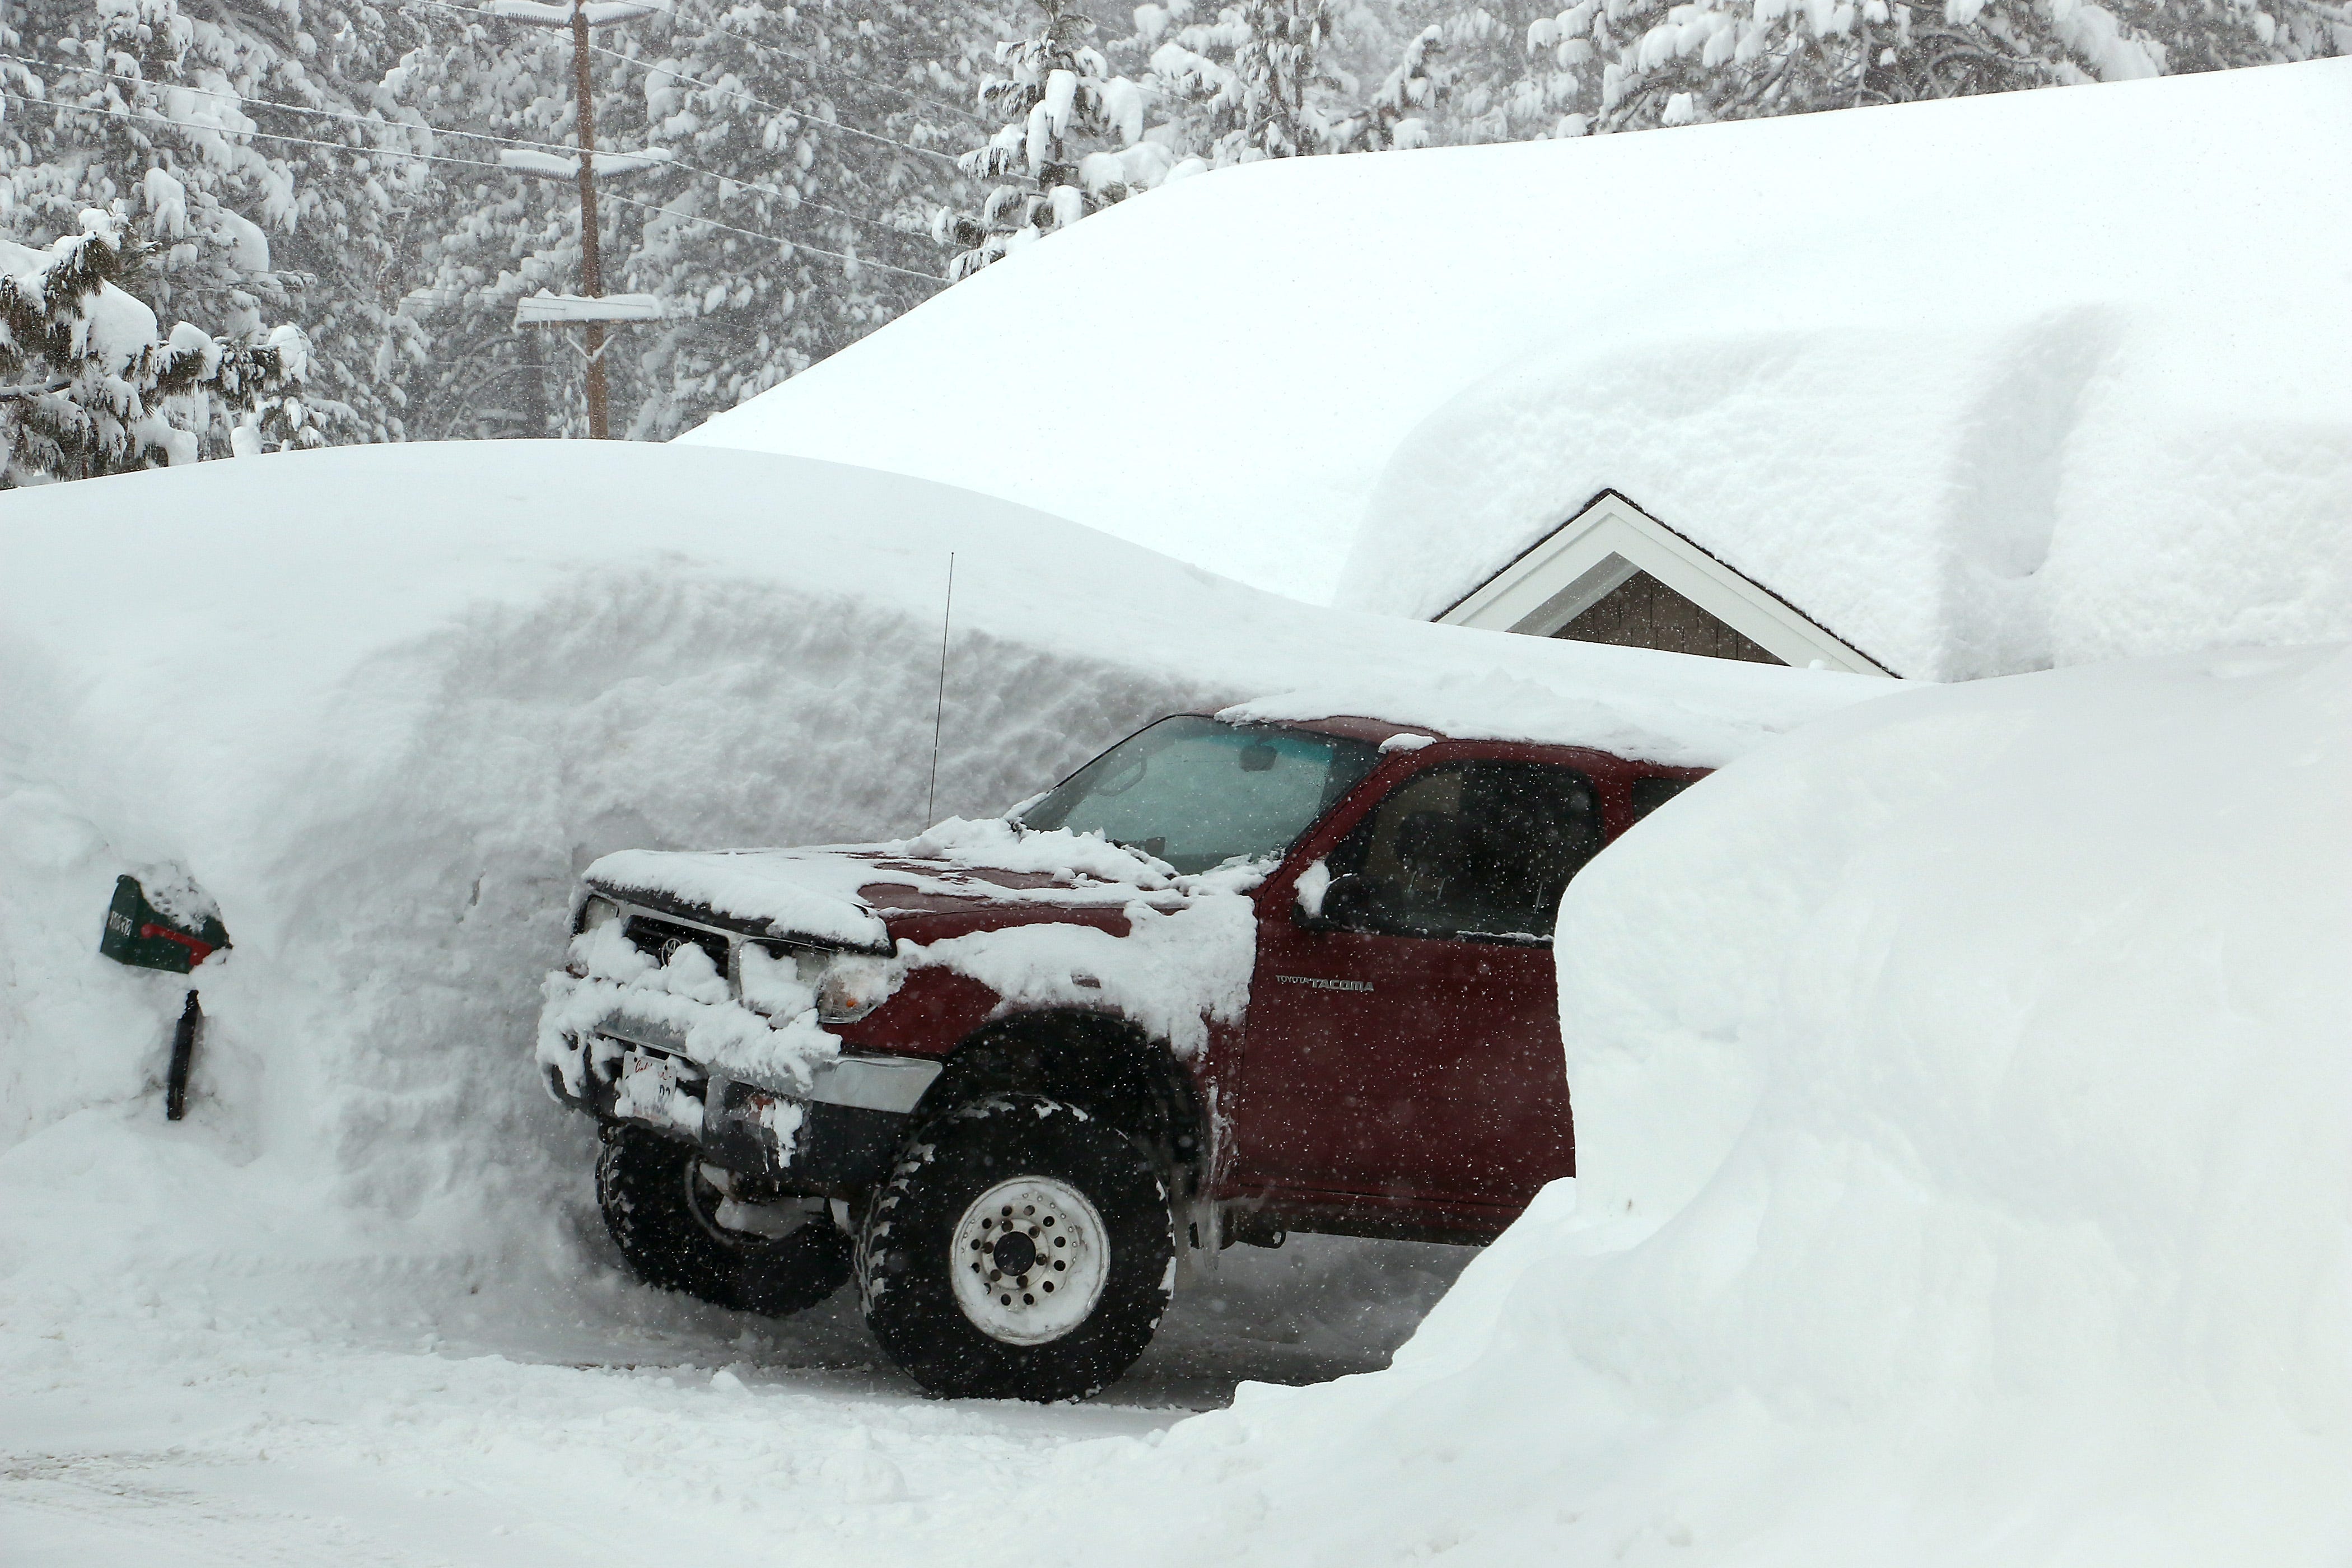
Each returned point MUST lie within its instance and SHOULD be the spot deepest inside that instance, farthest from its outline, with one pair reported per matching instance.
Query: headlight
(784, 982)
(852, 985)
(594, 913)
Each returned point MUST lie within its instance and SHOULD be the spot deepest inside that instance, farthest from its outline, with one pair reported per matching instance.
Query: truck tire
(661, 1209)
(1021, 1250)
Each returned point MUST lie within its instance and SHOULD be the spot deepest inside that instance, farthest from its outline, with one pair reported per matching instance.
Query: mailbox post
(141, 936)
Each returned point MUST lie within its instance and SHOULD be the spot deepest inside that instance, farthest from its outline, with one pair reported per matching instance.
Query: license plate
(651, 1089)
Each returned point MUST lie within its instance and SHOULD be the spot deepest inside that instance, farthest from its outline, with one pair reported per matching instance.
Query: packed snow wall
(1964, 1148)
(383, 703)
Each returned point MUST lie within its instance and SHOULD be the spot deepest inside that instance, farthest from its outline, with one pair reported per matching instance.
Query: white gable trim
(1567, 573)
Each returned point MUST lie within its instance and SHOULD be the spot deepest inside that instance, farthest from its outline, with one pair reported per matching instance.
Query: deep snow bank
(384, 703)
(1965, 1126)
(1980, 383)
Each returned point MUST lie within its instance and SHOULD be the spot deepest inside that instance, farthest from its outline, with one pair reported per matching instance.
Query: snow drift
(1960, 1080)
(1980, 384)
(383, 704)
(1962, 1128)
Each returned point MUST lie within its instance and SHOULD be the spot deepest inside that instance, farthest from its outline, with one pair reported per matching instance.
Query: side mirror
(1350, 903)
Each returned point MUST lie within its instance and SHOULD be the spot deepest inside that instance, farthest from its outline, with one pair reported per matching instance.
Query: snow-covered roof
(1977, 384)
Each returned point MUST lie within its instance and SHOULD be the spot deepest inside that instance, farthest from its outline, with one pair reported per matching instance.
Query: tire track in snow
(92, 1512)
(109, 1510)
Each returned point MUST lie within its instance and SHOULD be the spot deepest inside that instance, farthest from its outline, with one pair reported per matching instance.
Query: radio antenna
(940, 706)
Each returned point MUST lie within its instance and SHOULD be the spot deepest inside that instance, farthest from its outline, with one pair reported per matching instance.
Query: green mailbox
(143, 936)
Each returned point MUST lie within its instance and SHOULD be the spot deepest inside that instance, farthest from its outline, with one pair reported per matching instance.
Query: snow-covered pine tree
(1397, 114)
(832, 130)
(1675, 62)
(1260, 80)
(88, 384)
(1070, 140)
(1470, 75)
(231, 135)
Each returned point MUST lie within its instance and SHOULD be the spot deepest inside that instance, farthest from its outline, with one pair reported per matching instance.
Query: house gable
(1642, 612)
(1614, 574)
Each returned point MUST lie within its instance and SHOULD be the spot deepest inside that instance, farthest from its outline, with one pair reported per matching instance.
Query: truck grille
(657, 938)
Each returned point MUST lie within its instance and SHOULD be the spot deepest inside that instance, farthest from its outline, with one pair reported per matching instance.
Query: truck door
(1402, 1052)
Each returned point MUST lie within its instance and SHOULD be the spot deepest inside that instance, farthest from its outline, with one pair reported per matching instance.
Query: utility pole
(585, 309)
(591, 265)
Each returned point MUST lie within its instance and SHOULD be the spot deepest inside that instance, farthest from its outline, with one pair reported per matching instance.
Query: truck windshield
(1197, 793)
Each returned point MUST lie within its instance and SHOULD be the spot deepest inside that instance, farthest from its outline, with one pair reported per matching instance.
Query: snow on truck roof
(1978, 384)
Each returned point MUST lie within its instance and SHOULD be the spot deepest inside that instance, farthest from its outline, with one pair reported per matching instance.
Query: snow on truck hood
(1183, 965)
(839, 894)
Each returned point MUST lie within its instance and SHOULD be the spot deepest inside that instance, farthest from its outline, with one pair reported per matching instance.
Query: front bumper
(837, 1136)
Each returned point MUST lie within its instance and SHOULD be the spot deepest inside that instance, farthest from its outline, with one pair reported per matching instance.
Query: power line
(860, 261)
(802, 117)
(265, 136)
(792, 199)
(241, 99)
(758, 47)
(462, 162)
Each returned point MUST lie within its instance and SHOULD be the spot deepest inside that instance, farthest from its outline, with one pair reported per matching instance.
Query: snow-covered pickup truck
(1225, 981)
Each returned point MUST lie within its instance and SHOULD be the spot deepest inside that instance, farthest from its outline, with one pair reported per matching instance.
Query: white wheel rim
(1029, 1259)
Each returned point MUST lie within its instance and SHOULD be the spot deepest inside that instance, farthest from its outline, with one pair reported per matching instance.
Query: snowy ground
(236, 1416)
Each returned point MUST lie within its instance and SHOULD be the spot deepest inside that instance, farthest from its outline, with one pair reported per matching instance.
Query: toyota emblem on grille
(669, 949)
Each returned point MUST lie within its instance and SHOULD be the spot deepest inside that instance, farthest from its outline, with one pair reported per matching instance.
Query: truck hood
(845, 895)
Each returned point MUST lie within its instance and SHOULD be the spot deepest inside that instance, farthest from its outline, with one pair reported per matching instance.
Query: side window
(1472, 848)
(1653, 793)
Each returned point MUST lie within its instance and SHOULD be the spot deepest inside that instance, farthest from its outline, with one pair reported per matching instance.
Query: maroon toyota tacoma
(1225, 981)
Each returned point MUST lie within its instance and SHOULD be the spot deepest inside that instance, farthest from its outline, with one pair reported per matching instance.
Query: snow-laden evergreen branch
(95, 389)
